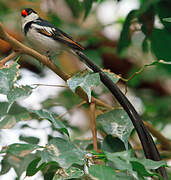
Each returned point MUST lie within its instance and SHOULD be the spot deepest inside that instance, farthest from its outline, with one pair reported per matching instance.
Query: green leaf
(8, 76)
(94, 55)
(102, 172)
(4, 108)
(115, 78)
(30, 139)
(142, 170)
(159, 39)
(18, 93)
(125, 175)
(63, 97)
(54, 19)
(17, 109)
(125, 39)
(18, 149)
(19, 156)
(146, 5)
(156, 108)
(43, 114)
(32, 168)
(8, 121)
(124, 161)
(136, 166)
(70, 173)
(75, 7)
(87, 6)
(20, 164)
(85, 80)
(112, 144)
(163, 11)
(150, 164)
(83, 144)
(49, 170)
(23, 116)
(62, 152)
(119, 159)
(4, 10)
(169, 174)
(117, 123)
(5, 166)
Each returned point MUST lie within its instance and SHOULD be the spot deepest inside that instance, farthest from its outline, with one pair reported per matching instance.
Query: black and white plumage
(48, 38)
(44, 36)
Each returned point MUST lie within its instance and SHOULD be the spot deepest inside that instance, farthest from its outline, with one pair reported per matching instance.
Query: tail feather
(147, 142)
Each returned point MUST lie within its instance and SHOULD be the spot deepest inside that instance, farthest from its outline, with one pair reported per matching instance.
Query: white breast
(41, 42)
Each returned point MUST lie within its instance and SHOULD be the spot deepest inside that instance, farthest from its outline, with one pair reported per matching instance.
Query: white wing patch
(42, 41)
(43, 29)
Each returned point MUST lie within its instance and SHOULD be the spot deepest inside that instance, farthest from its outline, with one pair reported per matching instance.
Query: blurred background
(115, 39)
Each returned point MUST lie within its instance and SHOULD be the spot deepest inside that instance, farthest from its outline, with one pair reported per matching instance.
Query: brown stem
(76, 106)
(166, 144)
(8, 58)
(93, 125)
(18, 46)
(50, 85)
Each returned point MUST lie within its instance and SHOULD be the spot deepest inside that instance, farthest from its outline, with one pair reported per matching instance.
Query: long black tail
(147, 142)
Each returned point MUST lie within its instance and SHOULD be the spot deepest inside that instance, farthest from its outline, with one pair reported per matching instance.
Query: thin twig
(164, 62)
(8, 58)
(75, 107)
(140, 70)
(166, 143)
(93, 125)
(51, 85)
(166, 153)
(137, 72)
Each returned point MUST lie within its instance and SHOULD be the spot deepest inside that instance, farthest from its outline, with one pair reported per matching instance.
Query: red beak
(24, 13)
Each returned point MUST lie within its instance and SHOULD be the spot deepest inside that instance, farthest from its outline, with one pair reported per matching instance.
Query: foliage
(66, 155)
(116, 123)
(84, 80)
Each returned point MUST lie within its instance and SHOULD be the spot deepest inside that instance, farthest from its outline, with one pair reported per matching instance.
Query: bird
(48, 39)
(44, 36)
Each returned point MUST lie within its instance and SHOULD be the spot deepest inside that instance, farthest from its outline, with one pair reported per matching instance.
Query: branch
(75, 107)
(139, 71)
(166, 144)
(8, 58)
(50, 85)
(18, 46)
(93, 125)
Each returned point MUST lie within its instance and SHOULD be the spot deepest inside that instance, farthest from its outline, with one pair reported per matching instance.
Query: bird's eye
(24, 13)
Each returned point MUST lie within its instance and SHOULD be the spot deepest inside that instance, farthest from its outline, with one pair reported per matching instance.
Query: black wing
(48, 29)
